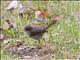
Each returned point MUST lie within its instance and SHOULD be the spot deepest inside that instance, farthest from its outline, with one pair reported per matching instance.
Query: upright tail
(54, 21)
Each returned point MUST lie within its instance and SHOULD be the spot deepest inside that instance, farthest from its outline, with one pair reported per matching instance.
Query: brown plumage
(36, 32)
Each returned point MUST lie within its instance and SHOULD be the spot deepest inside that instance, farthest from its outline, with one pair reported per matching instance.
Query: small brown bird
(36, 32)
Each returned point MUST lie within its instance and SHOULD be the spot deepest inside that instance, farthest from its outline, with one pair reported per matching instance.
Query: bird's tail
(50, 24)
(58, 18)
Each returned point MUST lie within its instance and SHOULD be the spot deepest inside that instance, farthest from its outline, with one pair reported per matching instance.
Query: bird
(36, 32)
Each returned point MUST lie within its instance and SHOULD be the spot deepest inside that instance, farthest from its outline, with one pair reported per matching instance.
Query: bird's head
(27, 28)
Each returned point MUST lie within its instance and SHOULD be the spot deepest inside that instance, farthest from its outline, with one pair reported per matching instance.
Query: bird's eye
(27, 28)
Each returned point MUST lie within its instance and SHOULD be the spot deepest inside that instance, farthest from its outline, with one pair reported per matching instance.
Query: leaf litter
(24, 51)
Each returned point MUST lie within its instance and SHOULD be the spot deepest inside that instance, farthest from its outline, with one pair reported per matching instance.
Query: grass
(67, 39)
